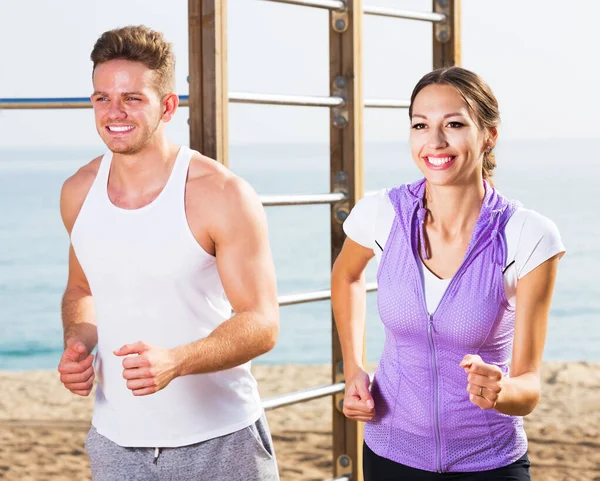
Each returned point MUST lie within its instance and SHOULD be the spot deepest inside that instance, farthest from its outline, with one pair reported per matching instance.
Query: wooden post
(446, 35)
(208, 77)
(346, 145)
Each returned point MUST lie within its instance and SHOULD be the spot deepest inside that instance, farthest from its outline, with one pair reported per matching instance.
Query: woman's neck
(455, 208)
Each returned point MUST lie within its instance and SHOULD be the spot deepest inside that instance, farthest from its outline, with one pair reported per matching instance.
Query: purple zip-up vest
(424, 417)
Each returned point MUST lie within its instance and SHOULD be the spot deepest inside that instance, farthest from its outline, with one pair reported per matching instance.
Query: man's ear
(170, 103)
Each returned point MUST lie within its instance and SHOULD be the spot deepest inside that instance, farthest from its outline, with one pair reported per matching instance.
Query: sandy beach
(43, 426)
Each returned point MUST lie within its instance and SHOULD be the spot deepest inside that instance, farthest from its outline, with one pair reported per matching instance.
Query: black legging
(377, 468)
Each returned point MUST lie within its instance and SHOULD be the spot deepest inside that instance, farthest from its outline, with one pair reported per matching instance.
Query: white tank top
(151, 281)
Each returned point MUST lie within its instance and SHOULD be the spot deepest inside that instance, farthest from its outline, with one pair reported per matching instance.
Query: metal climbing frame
(208, 133)
(208, 105)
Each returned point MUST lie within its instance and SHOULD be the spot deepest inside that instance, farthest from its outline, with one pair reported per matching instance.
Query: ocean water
(549, 176)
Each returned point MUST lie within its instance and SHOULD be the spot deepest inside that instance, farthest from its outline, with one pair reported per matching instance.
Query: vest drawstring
(497, 243)
(421, 214)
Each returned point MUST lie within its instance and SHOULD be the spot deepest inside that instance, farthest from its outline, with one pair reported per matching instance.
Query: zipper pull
(430, 324)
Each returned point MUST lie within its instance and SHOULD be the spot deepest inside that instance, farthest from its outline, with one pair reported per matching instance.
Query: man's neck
(145, 170)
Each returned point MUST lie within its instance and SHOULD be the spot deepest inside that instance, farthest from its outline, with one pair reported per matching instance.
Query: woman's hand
(358, 402)
(484, 381)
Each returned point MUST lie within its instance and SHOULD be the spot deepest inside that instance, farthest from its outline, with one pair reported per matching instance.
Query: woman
(465, 283)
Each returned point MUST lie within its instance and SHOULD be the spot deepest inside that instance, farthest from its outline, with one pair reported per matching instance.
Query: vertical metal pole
(446, 35)
(207, 26)
(346, 144)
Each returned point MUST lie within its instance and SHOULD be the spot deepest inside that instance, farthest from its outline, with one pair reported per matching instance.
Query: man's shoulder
(208, 177)
(220, 202)
(75, 190)
(84, 177)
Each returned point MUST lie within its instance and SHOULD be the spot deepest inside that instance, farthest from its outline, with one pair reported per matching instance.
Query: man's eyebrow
(124, 94)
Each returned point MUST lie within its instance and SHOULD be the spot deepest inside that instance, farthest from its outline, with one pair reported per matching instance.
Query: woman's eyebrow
(452, 114)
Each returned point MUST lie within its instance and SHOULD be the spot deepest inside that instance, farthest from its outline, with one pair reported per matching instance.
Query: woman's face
(446, 143)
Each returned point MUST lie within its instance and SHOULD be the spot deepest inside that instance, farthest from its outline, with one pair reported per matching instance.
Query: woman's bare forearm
(348, 298)
(520, 394)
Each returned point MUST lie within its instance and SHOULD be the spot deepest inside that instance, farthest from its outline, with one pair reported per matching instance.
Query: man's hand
(484, 381)
(75, 368)
(149, 370)
(358, 402)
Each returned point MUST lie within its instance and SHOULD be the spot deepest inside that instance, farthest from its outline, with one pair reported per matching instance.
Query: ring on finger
(481, 391)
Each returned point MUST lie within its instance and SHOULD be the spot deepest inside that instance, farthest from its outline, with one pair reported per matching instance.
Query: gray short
(245, 455)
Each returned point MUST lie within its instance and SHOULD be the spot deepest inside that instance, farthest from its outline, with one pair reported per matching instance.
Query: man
(165, 243)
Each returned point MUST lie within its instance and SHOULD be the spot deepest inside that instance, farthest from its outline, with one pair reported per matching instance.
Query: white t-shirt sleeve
(370, 222)
(360, 224)
(537, 240)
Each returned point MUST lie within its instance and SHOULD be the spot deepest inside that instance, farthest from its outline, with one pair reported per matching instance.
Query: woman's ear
(492, 137)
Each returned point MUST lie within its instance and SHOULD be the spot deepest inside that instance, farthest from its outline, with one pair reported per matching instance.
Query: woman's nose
(436, 139)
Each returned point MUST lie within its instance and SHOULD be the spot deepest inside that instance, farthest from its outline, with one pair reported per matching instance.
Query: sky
(536, 56)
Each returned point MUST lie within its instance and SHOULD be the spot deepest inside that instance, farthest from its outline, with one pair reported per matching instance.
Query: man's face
(127, 106)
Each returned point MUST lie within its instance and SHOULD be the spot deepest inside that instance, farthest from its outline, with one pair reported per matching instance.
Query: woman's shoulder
(368, 215)
(532, 222)
(379, 203)
(531, 238)
(373, 200)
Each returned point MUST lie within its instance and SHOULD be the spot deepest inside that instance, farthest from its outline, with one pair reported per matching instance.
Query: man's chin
(124, 149)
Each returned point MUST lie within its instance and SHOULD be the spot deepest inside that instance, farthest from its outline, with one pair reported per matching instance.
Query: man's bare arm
(77, 306)
(78, 316)
(79, 324)
(248, 275)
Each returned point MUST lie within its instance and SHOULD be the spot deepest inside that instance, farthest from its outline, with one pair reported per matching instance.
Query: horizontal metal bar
(59, 103)
(369, 10)
(234, 97)
(328, 4)
(305, 395)
(275, 99)
(408, 14)
(292, 299)
(387, 103)
(301, 199)
(347, 477)
(46, 103)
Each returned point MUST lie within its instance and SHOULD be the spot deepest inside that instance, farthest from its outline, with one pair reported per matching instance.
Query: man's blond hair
(138, 44)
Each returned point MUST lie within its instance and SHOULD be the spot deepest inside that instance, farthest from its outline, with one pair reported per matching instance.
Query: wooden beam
(446, 35)
(346, 159)
(208, 78)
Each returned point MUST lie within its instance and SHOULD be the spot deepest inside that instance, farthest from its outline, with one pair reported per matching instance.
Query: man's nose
(117, 110)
